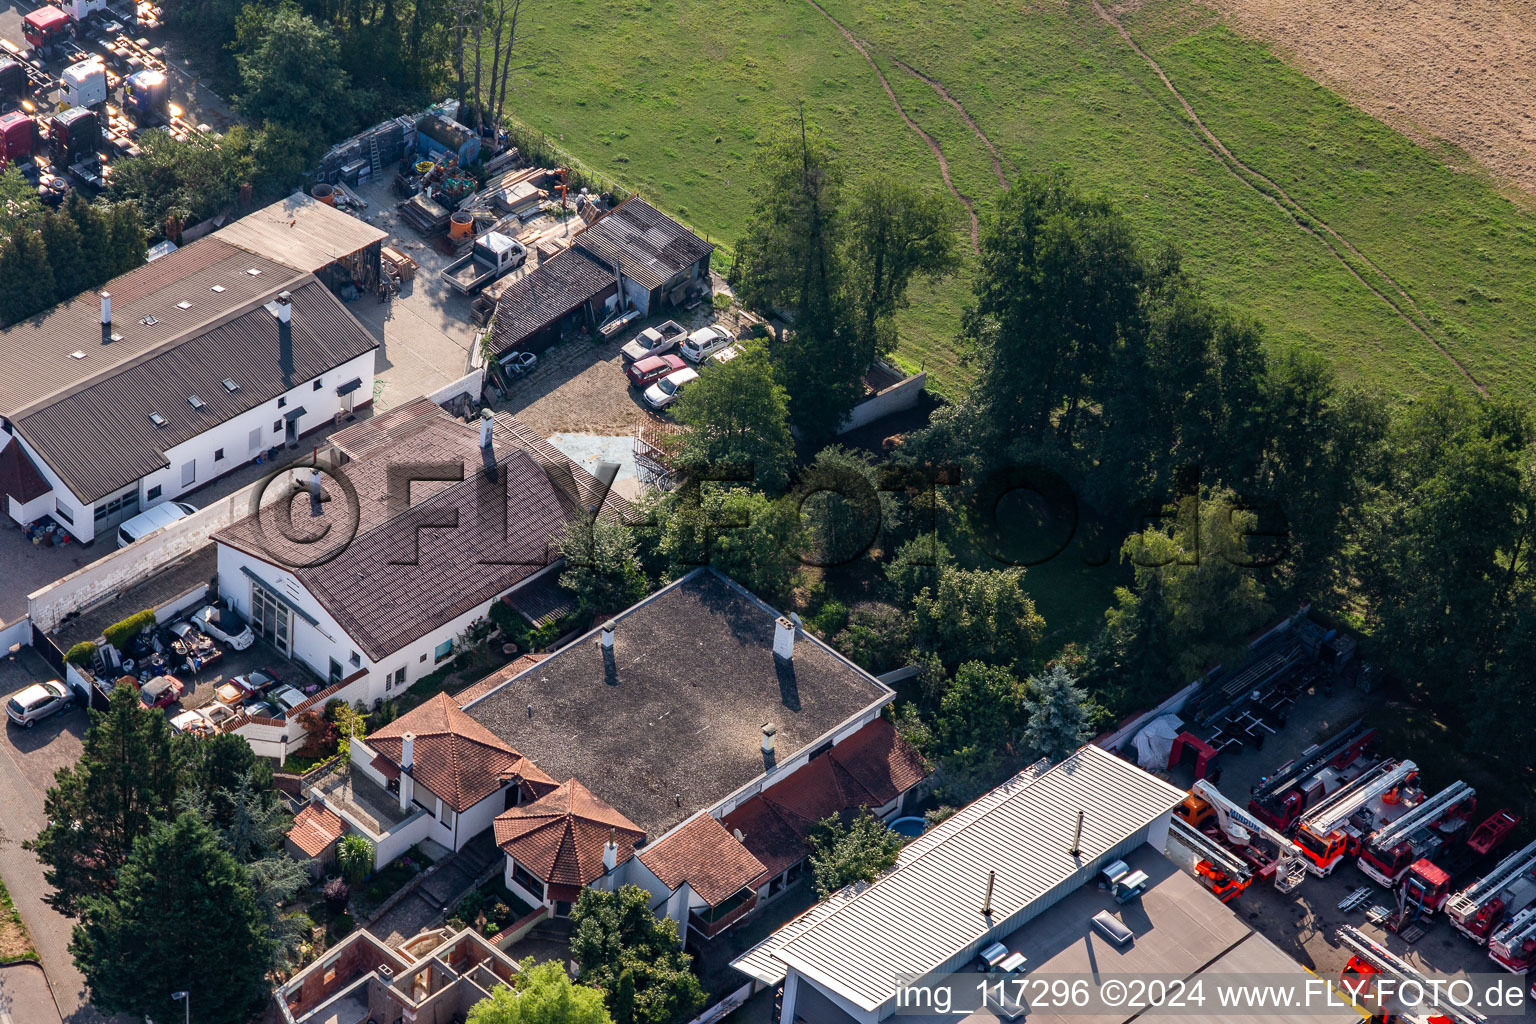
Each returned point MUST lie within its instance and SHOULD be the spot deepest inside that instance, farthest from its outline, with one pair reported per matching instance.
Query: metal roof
(646, 245)
(927, 911)
(547, 293)
(300, 232)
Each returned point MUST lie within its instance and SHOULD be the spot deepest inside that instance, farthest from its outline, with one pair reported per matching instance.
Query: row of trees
(50, 256)
(168, 853)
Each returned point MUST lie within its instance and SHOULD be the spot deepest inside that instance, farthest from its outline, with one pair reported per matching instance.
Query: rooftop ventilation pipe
(986, 903)
(1077, 836)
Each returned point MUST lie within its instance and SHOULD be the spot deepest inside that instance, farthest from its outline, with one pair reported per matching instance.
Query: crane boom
(1427, 813)
(1241, 828)
(1309, 761)
(1389, 963)
(1333, 813)
(1468, 901)
(1507, 947)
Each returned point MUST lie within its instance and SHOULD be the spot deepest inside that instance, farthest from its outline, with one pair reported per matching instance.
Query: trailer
(1337, 826)
(1420, 834)
(1509, 888)
(1370, 960)
(1269, 854)
(1215, 867)
(1320, 770)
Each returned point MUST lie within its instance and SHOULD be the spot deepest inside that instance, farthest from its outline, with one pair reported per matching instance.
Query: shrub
(878, 636)
(829, 618)
(336, 892)
(721, 302)
(83, 654)
(341, 924)
(354, 856)
(119, 633)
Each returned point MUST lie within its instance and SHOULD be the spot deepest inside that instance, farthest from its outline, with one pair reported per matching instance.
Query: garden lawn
(672, 97)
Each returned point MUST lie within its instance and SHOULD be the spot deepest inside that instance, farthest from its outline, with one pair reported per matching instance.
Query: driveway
(24, 996)
(28, 760)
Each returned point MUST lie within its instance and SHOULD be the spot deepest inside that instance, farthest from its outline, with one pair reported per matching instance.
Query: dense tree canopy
(751, 538)
(979, 615)
(616, 932)
(544, 994)
(736, 416)
(602, 566)
(857, 850)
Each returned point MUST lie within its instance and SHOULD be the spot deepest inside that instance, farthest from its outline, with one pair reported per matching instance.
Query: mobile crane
(1421, 833)
(1508, 889)
(1270, 854)
(1370, 960)
(1335, 827)
(1320, 770)
(1513, 947)
(1220, 870)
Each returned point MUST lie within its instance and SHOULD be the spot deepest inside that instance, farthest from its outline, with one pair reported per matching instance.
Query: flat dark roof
(671, 722)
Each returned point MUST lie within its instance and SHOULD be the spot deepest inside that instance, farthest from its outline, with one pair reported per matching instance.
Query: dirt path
(1404, 306)
(997, 158)
(933, 144)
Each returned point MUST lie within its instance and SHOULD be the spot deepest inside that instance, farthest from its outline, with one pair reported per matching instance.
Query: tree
(19, 202)
(980, 713)
(91, 220)
(26, 276)
(624, 998)
(226, 775)
(602, 566)
(291, 74)
(66, 255)
(854, 851)
(132, 943)
(740, 532)
(179, 182)
(125, 231)
(354, 856)
(842, 504)
(916, 565)
(979, 615)
(736, 416)
(1059, 712)
(878, 636)
(102, 804)
(544, 995)
(616, 931)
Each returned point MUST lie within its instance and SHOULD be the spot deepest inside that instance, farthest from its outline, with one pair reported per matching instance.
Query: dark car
(644, 372)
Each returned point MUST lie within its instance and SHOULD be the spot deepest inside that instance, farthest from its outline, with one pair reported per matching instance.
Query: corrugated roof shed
(649, 247)
(98, 435)
(547, 293)
(923, 914)
(300, 232)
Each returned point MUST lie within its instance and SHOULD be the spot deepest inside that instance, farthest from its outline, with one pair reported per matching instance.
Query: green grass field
(673, 97)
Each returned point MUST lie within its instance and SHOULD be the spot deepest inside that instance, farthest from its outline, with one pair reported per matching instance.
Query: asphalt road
(28, 759)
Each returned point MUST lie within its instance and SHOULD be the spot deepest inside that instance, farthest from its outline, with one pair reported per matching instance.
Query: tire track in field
(1295, 211)
(933, 144)
(937, 86)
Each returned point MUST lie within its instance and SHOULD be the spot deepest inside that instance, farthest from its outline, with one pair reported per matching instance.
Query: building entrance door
(272, 619)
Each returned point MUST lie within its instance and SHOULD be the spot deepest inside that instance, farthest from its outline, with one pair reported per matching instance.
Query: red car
(161, 691)
(644, 372)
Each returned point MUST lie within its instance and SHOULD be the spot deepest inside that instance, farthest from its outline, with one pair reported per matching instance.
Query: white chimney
(608, 628)
(784, 639)
(770, 732)
(408, 751)
(611, 852)
(486, 420)
(284, 307)
(106, 317)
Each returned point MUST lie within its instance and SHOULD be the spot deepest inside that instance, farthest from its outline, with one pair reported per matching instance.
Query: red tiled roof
(315, 828)
(871, 767)
(484, 686)
(455, 756)
(385, 767)
(19, 475)
(706, 856)
(560, 836)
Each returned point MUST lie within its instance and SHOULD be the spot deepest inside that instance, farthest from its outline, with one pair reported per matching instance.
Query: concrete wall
(470, 384)
(895, 398)
(18, 632)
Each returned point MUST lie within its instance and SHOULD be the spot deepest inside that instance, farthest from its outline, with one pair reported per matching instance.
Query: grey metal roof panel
(649, 247)
(99, 437)
(37, 353)
(924, 913)
(547, 293)
(301, 232)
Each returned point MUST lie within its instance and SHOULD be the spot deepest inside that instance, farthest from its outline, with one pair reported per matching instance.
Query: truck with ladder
(1320, 770)
(1487, 903)
(1513, 946)
(1422, 833)
(1337, 826)
(1369, 961)
(1428, 884)
(1269, 854)
(1218, 869)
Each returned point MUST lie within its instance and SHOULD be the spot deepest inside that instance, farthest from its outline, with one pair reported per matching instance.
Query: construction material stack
(1369, 960)
(1319, 771)
(1479, 909)
(1337, 826)
(1269, 854)
(1421, 833)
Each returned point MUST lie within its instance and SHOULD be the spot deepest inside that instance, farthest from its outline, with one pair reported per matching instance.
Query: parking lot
(1303, 922)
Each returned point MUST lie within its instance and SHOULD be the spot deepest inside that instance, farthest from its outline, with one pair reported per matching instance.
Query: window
(153, 494)
(335, 676)
(218, 455)
(189, 473)
(63, 512)
(319, 384)
(256, 439)
(356, 660)
(282, 401)
(442, 651)
(395, 679)
(277, 426)
(423, 659)
(526, 880)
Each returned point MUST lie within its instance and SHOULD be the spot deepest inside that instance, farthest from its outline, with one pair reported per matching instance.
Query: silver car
(224, 625)
(37, 702)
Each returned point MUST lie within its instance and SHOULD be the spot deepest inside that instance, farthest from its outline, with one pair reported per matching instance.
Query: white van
(157, 518)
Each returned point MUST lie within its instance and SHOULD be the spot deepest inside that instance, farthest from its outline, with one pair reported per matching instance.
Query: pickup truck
(492, 255)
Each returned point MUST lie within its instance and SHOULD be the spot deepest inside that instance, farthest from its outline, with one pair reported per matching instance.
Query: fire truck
(1268, 853)
(1337, 826)
(1485, 904)
(1220, 870)
(1513, 947)
(1426, 887)
(1420, 834)
(1319, 771)
(1370, 961)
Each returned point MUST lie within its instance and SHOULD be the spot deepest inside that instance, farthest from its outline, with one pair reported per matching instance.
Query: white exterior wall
(479, 817)
(530, 898)
(83, 528)
(24, 513)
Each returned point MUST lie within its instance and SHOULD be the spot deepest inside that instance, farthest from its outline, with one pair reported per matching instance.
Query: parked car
(285, 697)
(157, 518)
(703, 343)
(224, 624)
(515, 364)
(192, 723)
(644, 372)
(258, 708)
(37, 702)
(664, 392)
(161, 691)
(217, 714)
(243, 687)
(653, 341)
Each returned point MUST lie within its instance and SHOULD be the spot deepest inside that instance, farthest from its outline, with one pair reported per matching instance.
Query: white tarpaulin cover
(1155, 741)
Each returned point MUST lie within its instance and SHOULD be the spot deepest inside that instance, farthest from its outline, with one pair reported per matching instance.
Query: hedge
(119, 633)
(83, 654)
